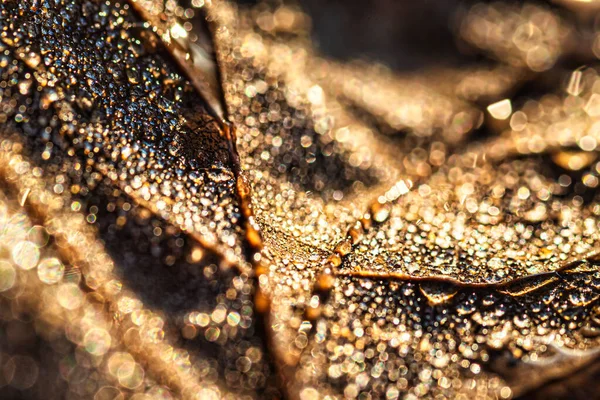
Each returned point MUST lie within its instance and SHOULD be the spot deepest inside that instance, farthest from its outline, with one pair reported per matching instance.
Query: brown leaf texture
(196, 203)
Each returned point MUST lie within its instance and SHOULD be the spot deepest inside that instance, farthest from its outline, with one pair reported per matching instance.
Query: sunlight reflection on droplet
(21, 372)
(26, 254)
(574, 87)
(108, 393)
(209, 394)
(7, 276)
(160, 393)
(97, 341)
(117, 360)
(51, 270)
(130, 375)
(69, 296)
(501, 109)
(593, 105)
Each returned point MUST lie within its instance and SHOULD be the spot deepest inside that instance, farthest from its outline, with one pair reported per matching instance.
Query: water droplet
(574, 160)
(97, 341)
(344, 247)
(379, 212)
(133, 75)
(7, 276)
(50, 270)
(324, 282)
(438, 293)
(220, 175)
(26, 254)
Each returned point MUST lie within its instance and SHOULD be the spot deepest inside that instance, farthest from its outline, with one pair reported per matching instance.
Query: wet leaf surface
(347, 232)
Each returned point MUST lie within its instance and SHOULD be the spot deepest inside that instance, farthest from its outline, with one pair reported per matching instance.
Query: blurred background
(405, 34)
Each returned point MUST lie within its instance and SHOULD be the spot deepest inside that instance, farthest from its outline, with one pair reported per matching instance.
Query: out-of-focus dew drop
(109, 393)
(596, 45)
(500, 113)
(139, 317)
(212, 334)
(506, 392)
(122, 366)
(196, 254)
(574, 87)
(21, 372)
(189, 331)
(309, 393)
(592, 107)
(51, 270)
(154, 335)
(524, 36)
(518, 121)
(69, 296)
(588, 143)
(38, 235)
(500, 110)
(130, 375)
(26, 254)
(574, 160)
(233, 318)
(159, 393)
(141, 396)
(66, 366)
(116, 360)
(97, 341)
(114, 287)
(8, 276)
(315, 95)
(177, 31)
(128, 304)
(209, 394)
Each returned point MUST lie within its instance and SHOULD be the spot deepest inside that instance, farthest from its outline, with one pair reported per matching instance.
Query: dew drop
(438, 293)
